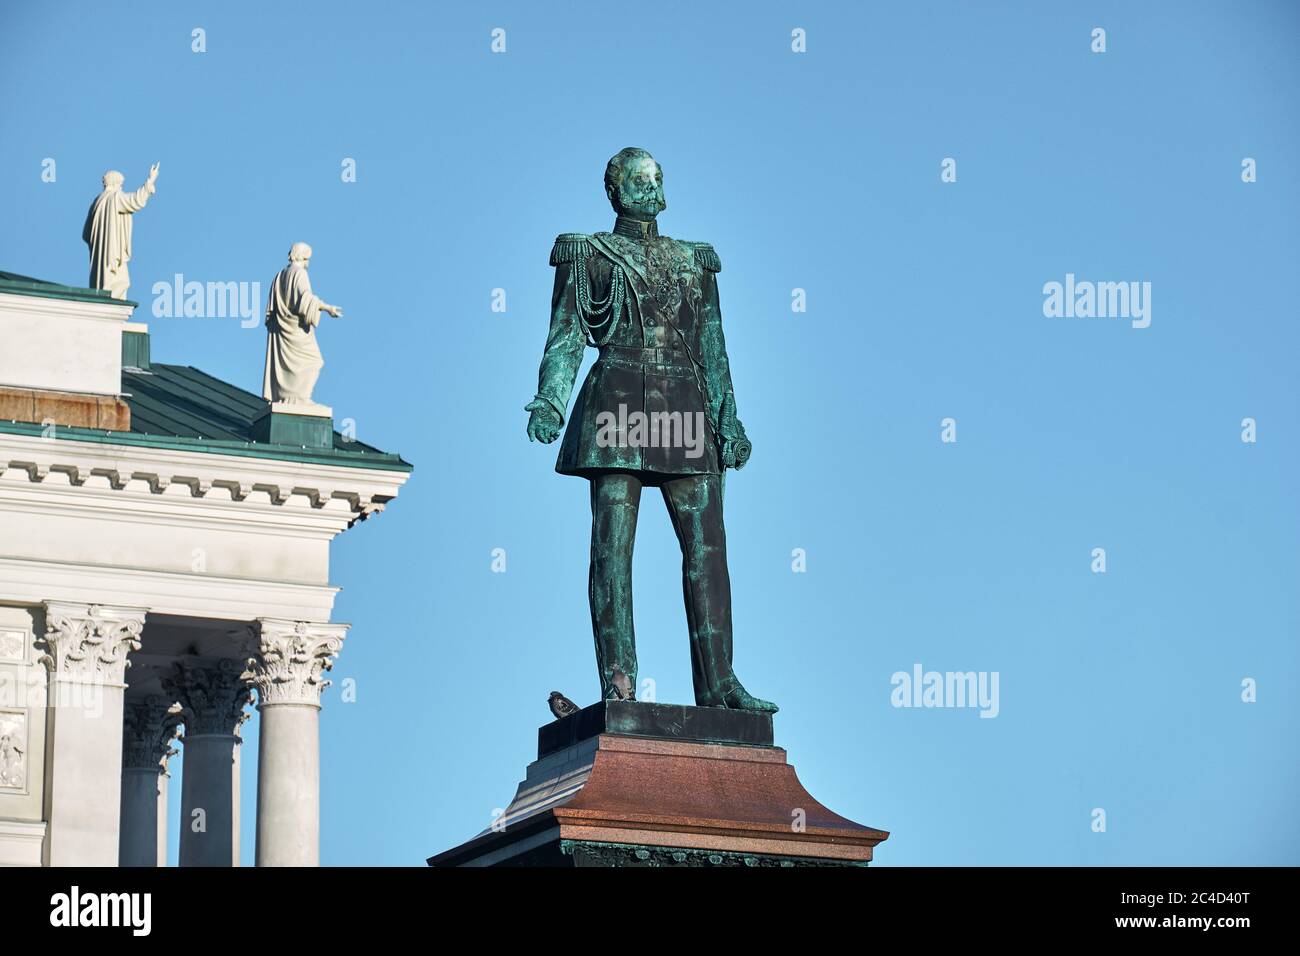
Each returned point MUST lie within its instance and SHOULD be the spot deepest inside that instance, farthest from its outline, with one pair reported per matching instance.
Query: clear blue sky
(819, 171)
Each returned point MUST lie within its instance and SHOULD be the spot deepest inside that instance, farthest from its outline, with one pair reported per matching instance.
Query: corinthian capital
(89, 642)
(149, 725)
(289, 659)
(212, 695)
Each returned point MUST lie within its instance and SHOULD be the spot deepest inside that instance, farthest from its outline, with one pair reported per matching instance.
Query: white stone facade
(149, 595)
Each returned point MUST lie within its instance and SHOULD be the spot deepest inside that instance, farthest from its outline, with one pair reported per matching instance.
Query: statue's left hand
(736, 451)
(333, 310)
(153, 171)
(736, 447)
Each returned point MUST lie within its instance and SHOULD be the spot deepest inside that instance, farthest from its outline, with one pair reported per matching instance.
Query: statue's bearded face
(641, 191)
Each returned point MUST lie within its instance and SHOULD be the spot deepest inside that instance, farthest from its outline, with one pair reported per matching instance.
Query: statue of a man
(293, 359)
(656, 410)
(108, 231)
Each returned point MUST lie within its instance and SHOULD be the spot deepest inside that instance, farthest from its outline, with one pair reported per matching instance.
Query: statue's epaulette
(705, 256)
(569, 246)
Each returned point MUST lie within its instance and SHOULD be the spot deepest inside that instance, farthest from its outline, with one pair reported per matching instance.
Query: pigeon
(622, 684)
(561, 706)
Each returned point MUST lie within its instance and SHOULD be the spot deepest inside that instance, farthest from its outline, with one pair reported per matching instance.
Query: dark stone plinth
(304, 431)
(639, 784)
(710, 725)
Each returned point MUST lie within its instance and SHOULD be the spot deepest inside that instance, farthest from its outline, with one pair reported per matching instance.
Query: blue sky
(818, 171)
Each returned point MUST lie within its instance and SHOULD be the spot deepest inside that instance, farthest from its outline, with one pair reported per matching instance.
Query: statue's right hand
(543, 422)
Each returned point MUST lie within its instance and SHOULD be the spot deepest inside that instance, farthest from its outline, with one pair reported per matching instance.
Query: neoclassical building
(164, 568)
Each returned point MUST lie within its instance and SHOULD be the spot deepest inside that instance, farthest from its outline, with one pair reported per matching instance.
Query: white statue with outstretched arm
(293, 359)
(108, 231)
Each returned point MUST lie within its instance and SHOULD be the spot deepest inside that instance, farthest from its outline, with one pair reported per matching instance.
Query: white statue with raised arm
(293, 360)
(108, 231)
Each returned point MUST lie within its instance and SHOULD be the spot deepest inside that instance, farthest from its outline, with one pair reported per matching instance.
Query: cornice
(65, 301)
(148, 474)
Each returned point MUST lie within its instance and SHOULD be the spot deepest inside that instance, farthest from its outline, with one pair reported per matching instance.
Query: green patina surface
(135, 349)
(307, 431)
(182, 408)
(649, 303)
(14, 284)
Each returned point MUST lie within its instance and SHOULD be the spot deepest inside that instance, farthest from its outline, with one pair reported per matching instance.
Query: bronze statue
(657, 410)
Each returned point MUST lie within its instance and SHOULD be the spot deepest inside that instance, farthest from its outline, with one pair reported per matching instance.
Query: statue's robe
(650, 304)
(108, 234)
(293, 360)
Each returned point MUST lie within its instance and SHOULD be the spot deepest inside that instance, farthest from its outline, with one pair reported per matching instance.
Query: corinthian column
(85, 648)
(212, 695)
(149, 726)
(289, 659)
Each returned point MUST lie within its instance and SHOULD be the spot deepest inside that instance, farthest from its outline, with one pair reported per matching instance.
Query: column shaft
(149, 725)
(144, 794)
(84, 772)
(288, 785)
(212, 694)
(289, 659)
(208, 797)
(86, 647)
(162, 820)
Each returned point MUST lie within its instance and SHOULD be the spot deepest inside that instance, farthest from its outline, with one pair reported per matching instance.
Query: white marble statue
(293, 360)
(108, 231)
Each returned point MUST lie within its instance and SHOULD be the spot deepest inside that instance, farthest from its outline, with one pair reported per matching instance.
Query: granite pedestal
(624, 783)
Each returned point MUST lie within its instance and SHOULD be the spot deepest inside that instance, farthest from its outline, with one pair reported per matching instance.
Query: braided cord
(610, 307)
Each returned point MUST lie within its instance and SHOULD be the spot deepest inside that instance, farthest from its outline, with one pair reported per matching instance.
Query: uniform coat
(650, 304)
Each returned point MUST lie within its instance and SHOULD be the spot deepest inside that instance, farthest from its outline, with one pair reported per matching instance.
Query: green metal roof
(14, 284)
(180, 407)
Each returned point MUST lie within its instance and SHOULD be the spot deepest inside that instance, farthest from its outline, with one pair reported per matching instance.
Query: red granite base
(653, 796)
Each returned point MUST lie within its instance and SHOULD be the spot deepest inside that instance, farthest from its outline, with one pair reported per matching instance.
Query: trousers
(694, 504)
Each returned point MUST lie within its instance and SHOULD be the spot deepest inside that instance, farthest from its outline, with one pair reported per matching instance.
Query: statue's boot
(732, 695)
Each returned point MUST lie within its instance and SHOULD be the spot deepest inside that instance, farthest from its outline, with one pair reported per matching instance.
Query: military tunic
(650, 305)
